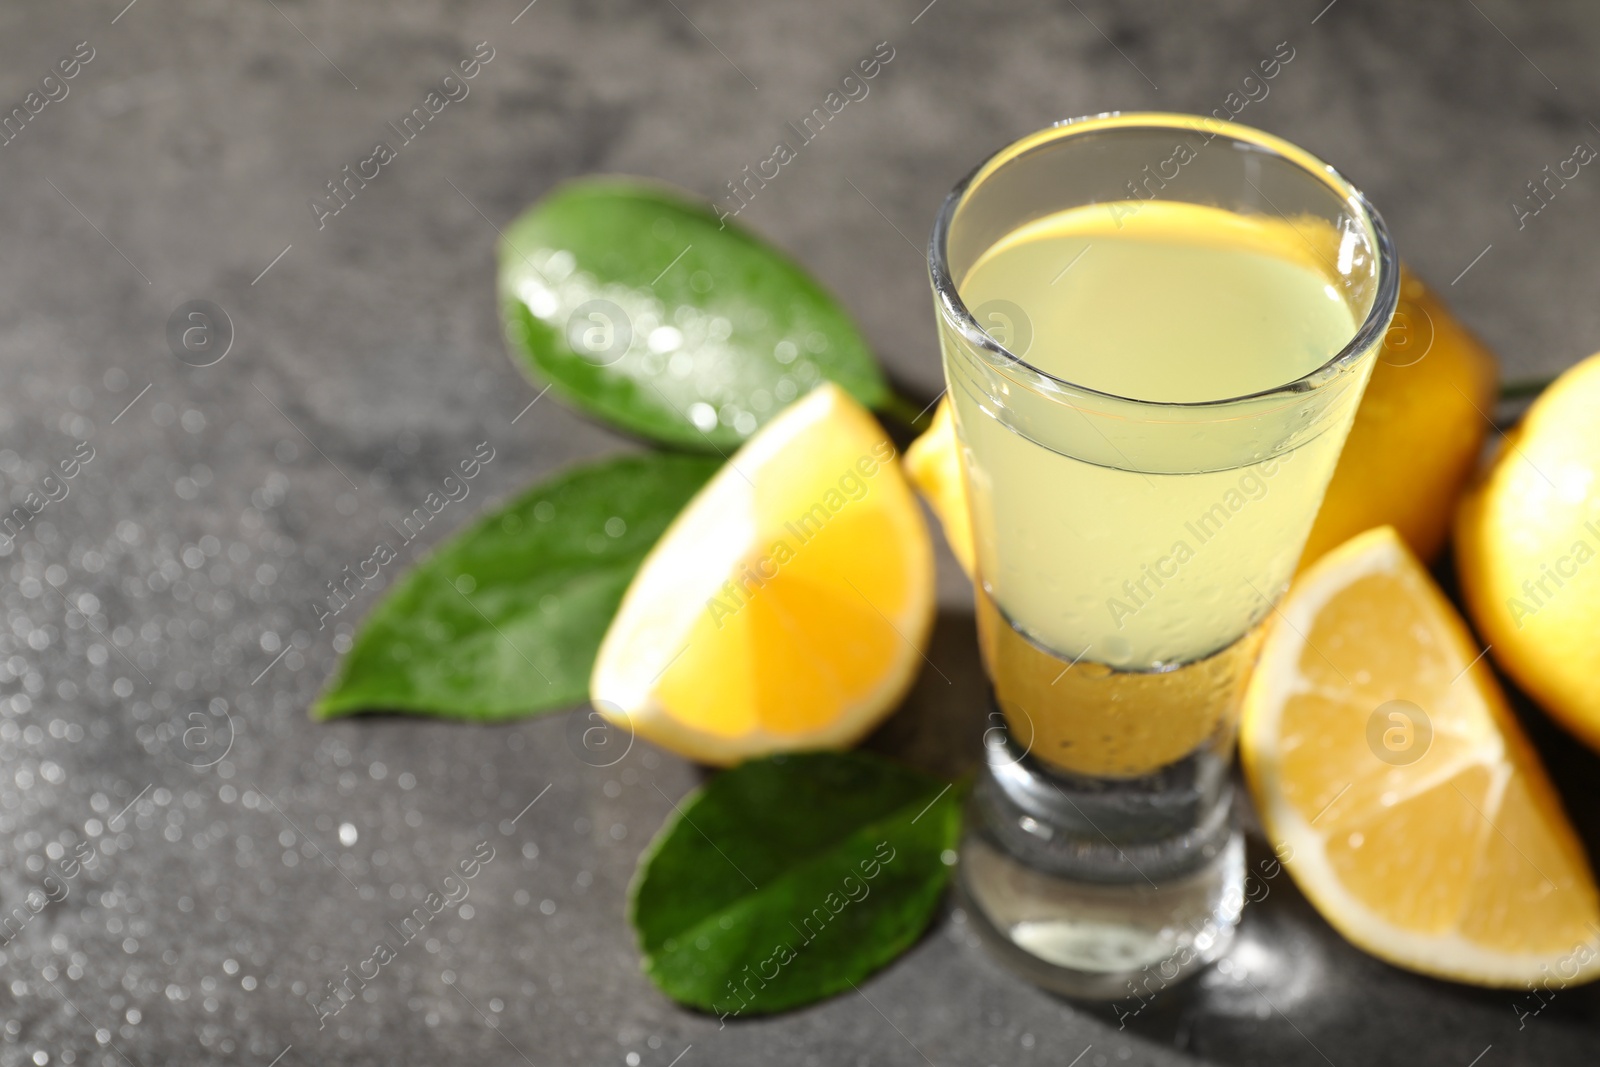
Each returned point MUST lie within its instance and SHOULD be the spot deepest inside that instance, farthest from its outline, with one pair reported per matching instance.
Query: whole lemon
(1527, 542)
(1416, 434)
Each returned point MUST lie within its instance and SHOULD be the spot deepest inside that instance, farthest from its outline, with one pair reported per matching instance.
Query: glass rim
(955, 311)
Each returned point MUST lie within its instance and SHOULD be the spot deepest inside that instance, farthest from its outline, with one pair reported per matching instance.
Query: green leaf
(504, 620)
(786, 879)
(637, 305)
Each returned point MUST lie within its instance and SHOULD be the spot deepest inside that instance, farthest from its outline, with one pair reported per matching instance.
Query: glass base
(1102, 888)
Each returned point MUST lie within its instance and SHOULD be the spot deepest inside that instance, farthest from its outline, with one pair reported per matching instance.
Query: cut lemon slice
(1388, 768)
(787, 607)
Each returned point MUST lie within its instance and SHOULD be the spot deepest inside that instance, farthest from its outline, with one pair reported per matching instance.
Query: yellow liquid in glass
(1154, 301)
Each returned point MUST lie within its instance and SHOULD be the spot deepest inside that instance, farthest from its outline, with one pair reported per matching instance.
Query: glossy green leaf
(786, 879)
(637, 305)
(504, 620)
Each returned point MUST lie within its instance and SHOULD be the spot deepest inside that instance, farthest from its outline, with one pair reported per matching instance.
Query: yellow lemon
(787, 607)
(1393, 778)
(1527, 540)
(1416, 434)
(934, 463)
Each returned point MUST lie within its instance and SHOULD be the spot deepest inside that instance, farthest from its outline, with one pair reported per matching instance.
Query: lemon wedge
(1390, 772)
(789, 604)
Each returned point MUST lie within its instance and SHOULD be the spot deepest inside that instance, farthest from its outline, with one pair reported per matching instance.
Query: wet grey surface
(174, 587)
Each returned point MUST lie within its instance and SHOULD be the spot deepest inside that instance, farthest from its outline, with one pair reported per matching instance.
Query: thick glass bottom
(1072, 901)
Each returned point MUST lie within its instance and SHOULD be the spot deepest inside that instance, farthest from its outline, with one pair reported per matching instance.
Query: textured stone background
(367, 361)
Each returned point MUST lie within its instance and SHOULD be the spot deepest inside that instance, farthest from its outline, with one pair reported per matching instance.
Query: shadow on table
(1290, 989)
(939, 727)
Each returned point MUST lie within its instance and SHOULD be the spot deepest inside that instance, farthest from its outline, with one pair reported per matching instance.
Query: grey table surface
(184, 564)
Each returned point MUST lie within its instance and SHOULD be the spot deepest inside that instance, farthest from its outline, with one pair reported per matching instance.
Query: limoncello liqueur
(1131, 567)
